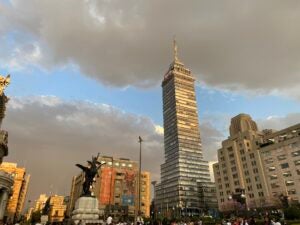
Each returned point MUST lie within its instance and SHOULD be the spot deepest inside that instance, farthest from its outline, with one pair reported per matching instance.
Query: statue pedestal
(3, 144)
(87, 211)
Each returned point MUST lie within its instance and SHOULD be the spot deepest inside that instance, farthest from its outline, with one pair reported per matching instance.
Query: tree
(292, 213)
(36, 217)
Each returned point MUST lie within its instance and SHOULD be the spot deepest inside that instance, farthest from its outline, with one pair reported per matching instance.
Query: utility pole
(111, 184)
(140, 167)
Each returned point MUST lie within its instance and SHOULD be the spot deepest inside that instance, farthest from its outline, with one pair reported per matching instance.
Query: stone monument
(6, 180)
(4, 81)
(87, 206)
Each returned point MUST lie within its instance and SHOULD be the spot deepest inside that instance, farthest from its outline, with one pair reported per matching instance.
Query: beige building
(40, 203)
(116, 188)
(145, 194)
(256, 168)
(239, 172)
(16, 201)
(28, 213)
(57, 208)
(280, 154)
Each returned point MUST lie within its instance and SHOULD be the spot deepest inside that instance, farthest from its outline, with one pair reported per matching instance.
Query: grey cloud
(48, 136)
(279, 122)
(237, 45)
(211, 140)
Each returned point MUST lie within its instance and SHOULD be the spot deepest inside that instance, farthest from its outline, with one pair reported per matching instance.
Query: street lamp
(139, 180)
(140, 167)
(111, 184)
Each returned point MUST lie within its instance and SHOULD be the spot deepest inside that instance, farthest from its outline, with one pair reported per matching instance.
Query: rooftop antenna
(175, 49)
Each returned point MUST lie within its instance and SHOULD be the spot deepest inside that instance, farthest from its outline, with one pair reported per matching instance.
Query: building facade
(116, 188)
(208, 198)
(16, 201)
(184, 169)
(257, 169)
(76, 190)
(55, 208)
(40, 203)
(239, 169)
(280, 155)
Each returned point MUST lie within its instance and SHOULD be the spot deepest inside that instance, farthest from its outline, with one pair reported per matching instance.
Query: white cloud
(21, 56)
(211, 139)
(159, 129)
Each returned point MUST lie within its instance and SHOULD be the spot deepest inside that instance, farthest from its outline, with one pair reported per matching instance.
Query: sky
(86, 76)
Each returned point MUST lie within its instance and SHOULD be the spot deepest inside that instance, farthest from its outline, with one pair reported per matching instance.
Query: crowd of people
(251, 221)
(232, 221)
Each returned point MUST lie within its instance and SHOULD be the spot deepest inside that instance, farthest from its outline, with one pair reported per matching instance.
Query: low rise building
(40, 203)
(16, 201)
(56, 208)
(116, 188)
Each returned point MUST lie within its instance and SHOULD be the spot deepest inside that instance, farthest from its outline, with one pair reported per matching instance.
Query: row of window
(117, 164)
(283, 157)
(284, 165)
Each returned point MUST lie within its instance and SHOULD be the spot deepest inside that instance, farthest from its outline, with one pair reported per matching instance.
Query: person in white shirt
(109, 220)
(277, 222)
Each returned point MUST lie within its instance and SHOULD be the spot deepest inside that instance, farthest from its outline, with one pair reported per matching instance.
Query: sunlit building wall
(280, 155)
(264, 165)
(57, 208)
(184, 168)
(40, 203)
(116, 188)
(21, 180)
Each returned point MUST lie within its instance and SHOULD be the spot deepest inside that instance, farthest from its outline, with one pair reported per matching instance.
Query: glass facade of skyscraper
(184, 169)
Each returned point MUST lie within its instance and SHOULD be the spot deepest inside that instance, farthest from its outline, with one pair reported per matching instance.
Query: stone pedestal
(87, 211)
(3, 144)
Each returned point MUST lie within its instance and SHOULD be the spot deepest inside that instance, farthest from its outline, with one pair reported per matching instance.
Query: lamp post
(139, 181)
(111, 182)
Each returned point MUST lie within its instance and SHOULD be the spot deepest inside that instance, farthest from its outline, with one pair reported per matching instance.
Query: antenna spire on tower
(175, 49)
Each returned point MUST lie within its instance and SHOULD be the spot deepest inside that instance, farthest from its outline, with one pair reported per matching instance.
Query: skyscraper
(184, 169)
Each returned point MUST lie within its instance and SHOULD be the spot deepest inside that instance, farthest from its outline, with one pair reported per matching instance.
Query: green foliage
(292, 213)
(166, 221)
(36, 217)
(293, 222)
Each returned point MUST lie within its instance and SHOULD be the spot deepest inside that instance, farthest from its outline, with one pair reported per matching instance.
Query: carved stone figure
(4, 82)
(90, 173)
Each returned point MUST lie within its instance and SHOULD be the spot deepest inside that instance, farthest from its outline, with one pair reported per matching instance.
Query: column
(3, 202)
